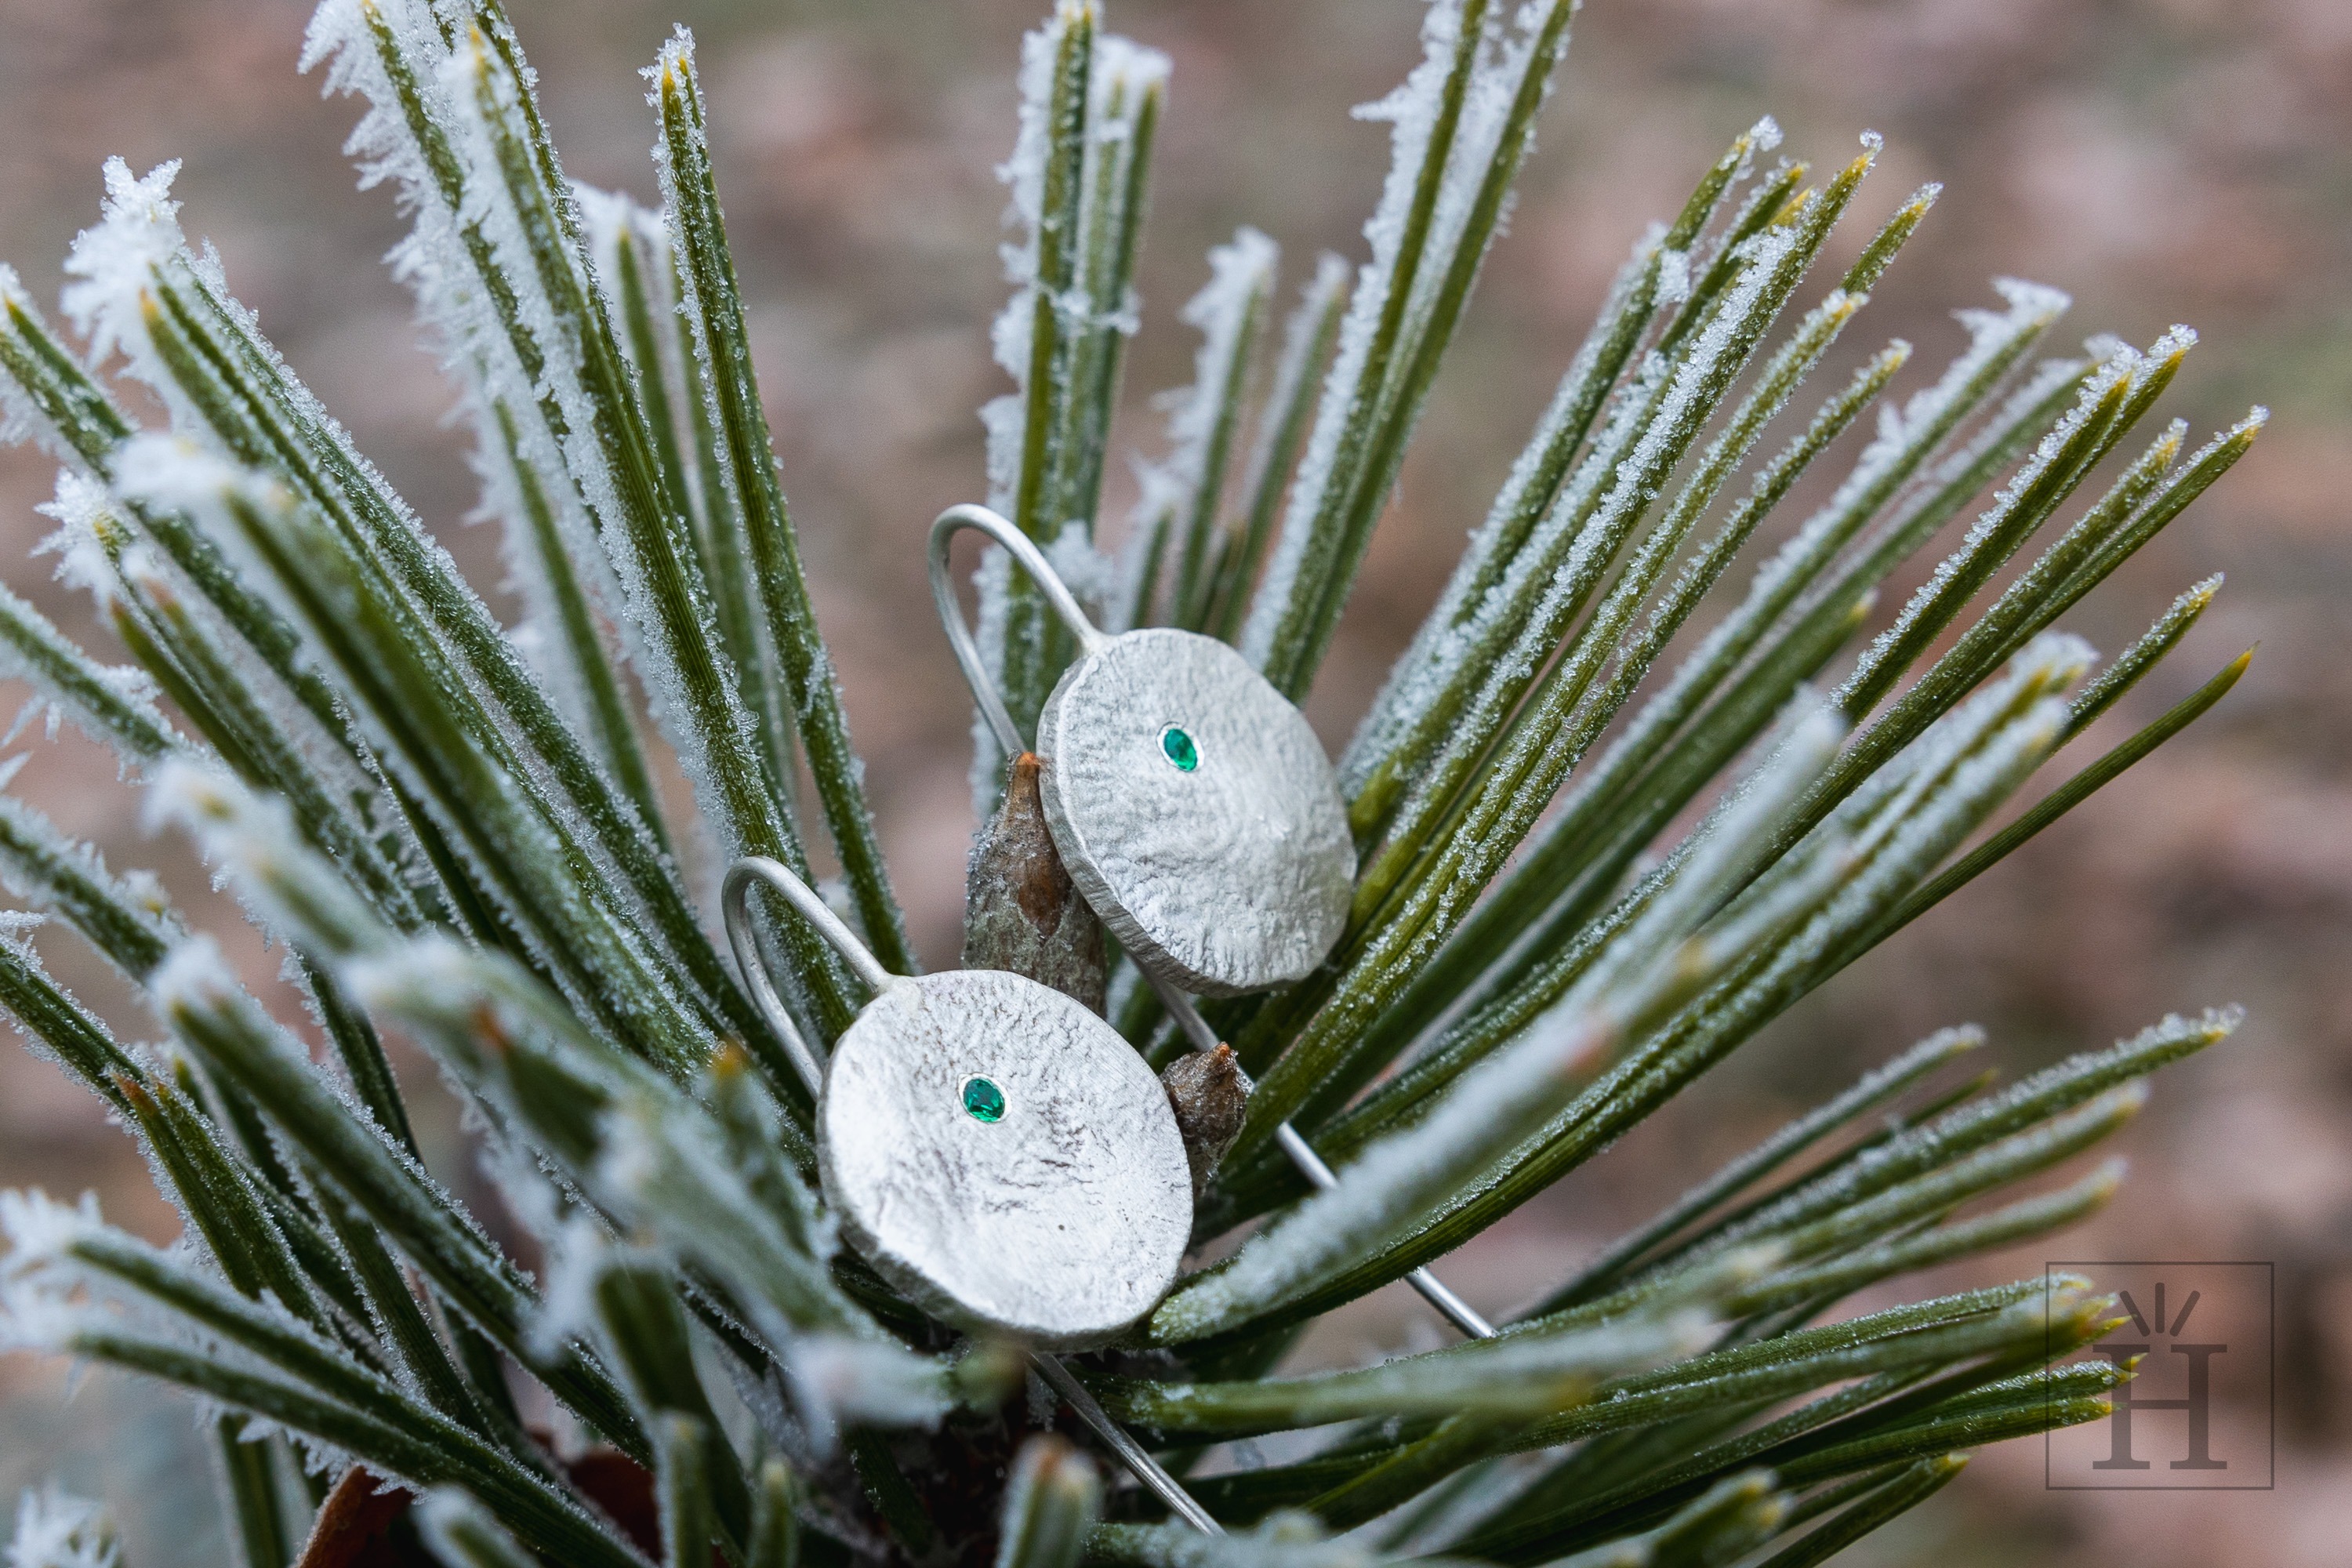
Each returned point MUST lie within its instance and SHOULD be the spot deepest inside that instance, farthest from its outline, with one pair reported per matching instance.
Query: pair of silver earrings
(995, 1149)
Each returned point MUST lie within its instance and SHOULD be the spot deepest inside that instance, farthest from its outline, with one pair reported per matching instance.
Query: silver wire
(1130, 1453)
(1049, 583)
(1433, 1291)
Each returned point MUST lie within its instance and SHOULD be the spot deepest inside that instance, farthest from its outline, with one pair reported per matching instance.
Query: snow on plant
(450, 826)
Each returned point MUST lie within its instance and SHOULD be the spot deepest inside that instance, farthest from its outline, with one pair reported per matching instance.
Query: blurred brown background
(2163, 159)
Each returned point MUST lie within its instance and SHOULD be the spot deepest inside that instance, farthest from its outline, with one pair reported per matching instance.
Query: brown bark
(1204, 1089)
(1021, 912)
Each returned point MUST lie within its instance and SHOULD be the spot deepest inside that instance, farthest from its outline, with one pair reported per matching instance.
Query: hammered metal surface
(1057, 1225)
(1228, 877)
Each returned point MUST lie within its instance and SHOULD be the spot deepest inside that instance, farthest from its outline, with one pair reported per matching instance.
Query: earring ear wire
(735, 913)
(1023, 550)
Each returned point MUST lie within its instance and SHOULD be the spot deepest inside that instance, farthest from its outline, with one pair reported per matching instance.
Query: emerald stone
(1180, 748)
(983, 1099)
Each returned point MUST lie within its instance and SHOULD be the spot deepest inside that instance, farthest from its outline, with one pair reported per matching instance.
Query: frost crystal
(57, 1530)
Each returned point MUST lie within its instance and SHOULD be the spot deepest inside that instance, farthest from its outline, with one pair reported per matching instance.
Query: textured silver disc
(1053, 1205)
(1225, 876)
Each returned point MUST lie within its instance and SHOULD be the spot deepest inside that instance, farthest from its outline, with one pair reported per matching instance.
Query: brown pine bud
(1204, 1089)
(1021, 912)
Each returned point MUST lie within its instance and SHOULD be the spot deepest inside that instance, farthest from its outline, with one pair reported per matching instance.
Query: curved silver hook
(735, 910)
(1033, 560)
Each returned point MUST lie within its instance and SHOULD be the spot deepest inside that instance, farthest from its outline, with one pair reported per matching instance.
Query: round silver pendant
(1005, 1159)
(1196, 812)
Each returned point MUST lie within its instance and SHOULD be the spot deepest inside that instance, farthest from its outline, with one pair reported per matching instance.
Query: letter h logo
(2198, 1402)
(2195, 1412)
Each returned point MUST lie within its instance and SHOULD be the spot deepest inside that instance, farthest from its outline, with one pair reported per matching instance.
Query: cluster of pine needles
(1585, 879)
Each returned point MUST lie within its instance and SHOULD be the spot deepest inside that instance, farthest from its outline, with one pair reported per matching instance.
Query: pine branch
(1583, 882)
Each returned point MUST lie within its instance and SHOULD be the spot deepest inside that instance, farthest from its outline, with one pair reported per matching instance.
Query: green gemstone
(983, 1099)
(1180, 748)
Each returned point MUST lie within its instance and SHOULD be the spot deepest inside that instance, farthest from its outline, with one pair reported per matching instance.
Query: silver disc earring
(995, 1150)
(1191, 803)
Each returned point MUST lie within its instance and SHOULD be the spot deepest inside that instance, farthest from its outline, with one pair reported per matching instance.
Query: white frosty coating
(1294, 361)
(2117, 369)
(178, 473)
(839, 1382)
(1241, 275)
(1905, 1148)
(667, 696)
(1025, 174)
(170, 472)
(661, 1166)
(1630, 456)
(194, 974)
(1937, 808)
(128, 686)
(1923, 805)
(112, 264)
(1542, 760)
(47, 1294)
(1119, 67)
(81, 506)
(2032, 307)
(135, 893)
(251, 838)
(1421, 670)
(1411, 110)
(1507, 51)
(609, 220)
(579, 1252)
(482, 355)
(20, 420)
(1004, 418)
(63, 1277)
(1673, 277)
(1118, 70)
(1091, 575)
(56, 1529)
(473, 346)
(1652, 421)
(1903, 437)
(1124, 74)
(2013, 720)
(39, 1228)
(174, 471)
(1713, 859)
(1522, 1369)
